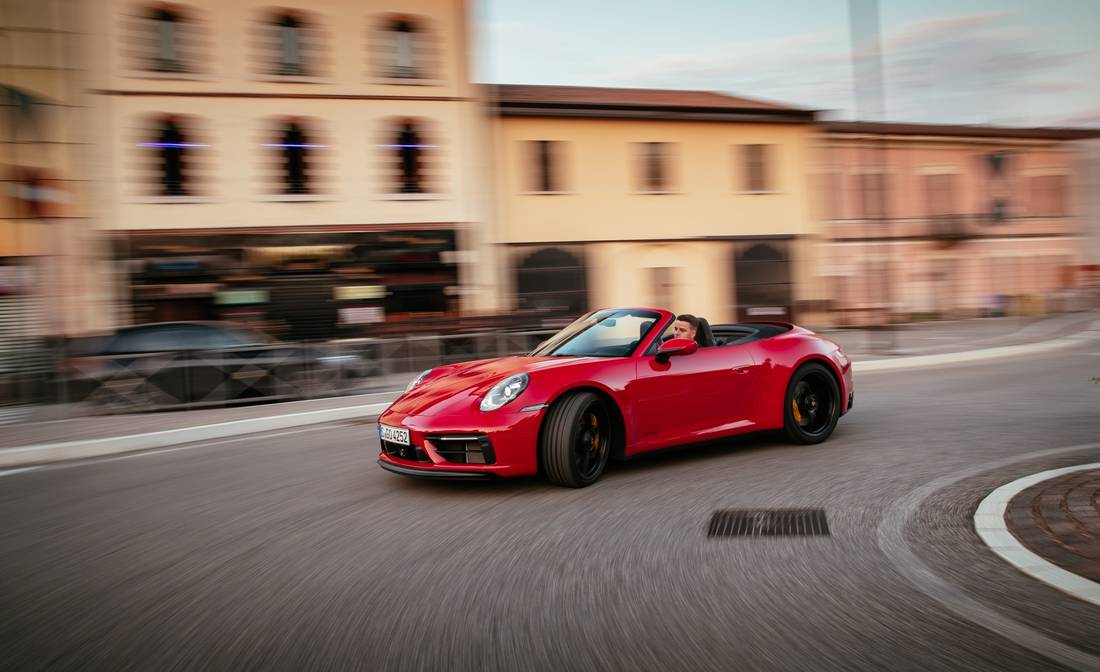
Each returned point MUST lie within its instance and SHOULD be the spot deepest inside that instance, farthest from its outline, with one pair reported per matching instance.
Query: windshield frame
(585, 322)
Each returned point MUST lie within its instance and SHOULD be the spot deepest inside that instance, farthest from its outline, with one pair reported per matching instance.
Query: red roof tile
(958, 130)
(655, 98)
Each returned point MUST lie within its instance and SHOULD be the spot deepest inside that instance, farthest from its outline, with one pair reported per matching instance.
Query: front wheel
(811, 406)
(576, 440)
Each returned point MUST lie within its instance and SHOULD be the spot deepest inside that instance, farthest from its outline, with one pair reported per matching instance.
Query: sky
(1015, 62)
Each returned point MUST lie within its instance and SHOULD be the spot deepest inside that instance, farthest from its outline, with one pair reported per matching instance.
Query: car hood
(458, 388)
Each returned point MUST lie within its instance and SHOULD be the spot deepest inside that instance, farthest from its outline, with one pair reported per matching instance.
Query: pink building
(951, 221)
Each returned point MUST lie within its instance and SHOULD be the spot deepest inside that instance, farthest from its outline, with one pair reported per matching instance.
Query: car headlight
(419, 379)
(504, 391)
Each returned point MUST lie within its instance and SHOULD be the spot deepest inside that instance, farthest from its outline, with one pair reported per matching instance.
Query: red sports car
(614, 384)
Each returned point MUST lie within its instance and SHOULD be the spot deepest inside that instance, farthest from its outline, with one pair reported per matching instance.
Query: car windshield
(604, 333)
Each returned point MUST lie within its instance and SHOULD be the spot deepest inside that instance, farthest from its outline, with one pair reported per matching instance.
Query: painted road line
(159, 451)
(989, 521)
(72, 450)
(12, 472)
(968, 356)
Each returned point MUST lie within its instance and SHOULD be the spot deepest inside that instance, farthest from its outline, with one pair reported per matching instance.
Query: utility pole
(870, 106)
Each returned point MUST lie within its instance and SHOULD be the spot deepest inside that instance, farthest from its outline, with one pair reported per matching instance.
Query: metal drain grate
(768, 523)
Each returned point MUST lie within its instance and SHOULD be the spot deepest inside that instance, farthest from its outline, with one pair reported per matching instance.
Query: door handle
(742, 369)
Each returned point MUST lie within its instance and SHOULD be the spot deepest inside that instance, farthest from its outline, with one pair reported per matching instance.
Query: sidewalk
(1047, 525)
(933, 338)
(1059, 520)
(65, 439)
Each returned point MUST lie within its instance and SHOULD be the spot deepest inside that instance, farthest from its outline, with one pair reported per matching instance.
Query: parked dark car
(174, 364)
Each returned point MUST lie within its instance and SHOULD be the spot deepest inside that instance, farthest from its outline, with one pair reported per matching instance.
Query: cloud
(926, 30)
(804, 69)
(967, 68)
(1085, 117)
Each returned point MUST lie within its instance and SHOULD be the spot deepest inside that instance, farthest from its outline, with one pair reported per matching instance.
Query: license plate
(393, 434)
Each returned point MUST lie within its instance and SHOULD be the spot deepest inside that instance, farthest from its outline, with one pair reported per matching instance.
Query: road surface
(293, 550)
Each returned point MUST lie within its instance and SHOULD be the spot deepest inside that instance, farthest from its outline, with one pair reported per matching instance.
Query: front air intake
(463, 448)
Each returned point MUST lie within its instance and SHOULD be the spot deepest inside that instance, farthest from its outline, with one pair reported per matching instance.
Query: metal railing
(249, 374)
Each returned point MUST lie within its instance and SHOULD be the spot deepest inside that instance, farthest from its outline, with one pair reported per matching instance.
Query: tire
(576, 440)
(811, 405)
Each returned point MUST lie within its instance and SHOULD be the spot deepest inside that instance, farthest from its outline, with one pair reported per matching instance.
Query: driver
(685, 326)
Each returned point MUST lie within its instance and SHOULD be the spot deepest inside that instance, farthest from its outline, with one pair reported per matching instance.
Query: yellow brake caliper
(794, 410)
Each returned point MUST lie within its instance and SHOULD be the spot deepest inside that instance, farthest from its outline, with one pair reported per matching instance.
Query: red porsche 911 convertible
(614, 384)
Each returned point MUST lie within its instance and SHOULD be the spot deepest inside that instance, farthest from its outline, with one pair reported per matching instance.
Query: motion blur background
(352, 185)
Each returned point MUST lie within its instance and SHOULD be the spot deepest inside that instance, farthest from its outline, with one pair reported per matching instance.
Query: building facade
(48, 245)
(313, 167)
(693, 201)
(950, 221)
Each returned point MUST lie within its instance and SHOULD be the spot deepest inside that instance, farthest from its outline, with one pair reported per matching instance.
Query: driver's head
(685, 326)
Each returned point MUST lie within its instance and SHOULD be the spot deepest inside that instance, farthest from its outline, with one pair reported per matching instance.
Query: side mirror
(674, 347)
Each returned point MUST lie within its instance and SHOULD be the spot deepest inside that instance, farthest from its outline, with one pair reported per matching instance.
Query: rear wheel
(811, 407)
(576, 440)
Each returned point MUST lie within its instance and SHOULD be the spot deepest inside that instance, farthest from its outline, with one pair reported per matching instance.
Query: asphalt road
(295, 551)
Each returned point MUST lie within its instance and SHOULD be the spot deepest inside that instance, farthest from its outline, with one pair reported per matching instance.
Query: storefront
(300, 285)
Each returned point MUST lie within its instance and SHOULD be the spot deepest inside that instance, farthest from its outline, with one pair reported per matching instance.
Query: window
(870, 193)
(544, 157)
(654, 167)
(295, 161)
(403, 62)
(166, 26)
(409, 155)
(763, 281)
(756, 168)
(607, 333)
(834, 195)
(171, 147)
(552, 280)
(289, 41)
(939, 192)
(1048, 195)
(157, 338)
(1000, 185)
(295, 148)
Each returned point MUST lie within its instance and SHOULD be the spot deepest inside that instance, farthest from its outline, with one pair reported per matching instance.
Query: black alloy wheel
(576, 440)
(811, 407)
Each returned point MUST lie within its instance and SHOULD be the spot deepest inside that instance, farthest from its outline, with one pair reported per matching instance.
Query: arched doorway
(552, 280)
(763, 282)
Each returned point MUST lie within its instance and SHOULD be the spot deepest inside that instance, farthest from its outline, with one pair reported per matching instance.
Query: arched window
(295, 157)
(404, 60)
(409, 151)
(552, 280)
(763, 278)
(289, 33)
(166, 24)
(171, 145)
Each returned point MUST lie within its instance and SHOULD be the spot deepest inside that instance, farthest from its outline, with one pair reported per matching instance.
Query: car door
(693, 397)
(155, 353)
(232, 365)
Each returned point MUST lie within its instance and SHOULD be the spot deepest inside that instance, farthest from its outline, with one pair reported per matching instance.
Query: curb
(1092, 333)
(74, 450)
(989, 522)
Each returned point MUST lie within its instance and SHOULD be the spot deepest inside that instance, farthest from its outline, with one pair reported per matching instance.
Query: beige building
(48, 246)
(694, 201)
(951, 221)
(315, 165)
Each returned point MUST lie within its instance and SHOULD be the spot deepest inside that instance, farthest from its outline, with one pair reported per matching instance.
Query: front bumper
(506, 444)
(433, 473)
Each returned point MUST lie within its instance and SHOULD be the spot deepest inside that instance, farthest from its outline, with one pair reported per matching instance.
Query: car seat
(703, 335)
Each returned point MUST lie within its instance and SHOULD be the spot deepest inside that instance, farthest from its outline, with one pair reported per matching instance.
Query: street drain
(768, 523)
